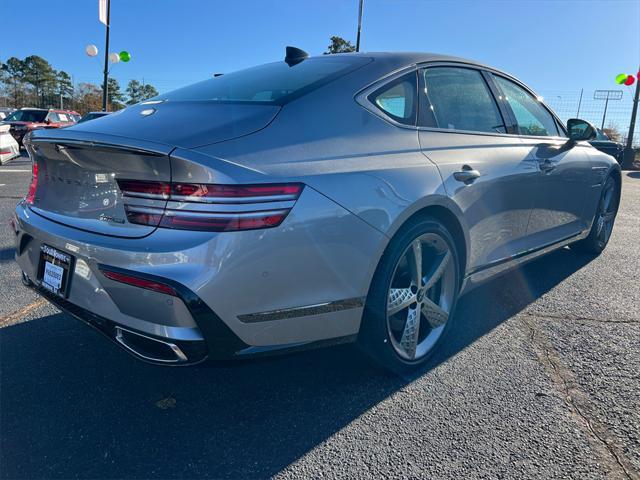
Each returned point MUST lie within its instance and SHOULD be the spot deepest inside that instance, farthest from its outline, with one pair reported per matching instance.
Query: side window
(63, 117)
(53, 117)
(455, 98)
(398, 99)
(532, 117)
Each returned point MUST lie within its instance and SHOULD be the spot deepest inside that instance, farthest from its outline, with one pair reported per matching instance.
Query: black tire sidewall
(374, 334)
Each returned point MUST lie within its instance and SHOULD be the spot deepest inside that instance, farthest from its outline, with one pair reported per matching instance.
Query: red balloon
(629, 81)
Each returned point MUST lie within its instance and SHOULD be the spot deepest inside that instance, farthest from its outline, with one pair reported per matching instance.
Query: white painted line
(14, 171)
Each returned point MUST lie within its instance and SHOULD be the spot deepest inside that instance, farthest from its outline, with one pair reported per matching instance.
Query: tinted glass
(398, 99)
(600, 135)
(27, 116)
(458, 99)
(272, 83)
(532, 117)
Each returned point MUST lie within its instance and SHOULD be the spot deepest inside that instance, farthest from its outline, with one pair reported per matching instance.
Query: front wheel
(412, 296)
(603, 222)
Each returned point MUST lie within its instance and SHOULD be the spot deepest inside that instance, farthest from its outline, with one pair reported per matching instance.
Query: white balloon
(114, 57)
(91, 50)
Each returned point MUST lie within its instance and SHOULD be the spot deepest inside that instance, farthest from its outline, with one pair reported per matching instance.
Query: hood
(182, 124)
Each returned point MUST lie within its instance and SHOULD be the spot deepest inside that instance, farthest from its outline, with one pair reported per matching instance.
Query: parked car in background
(9, 148)
(312, 200)
(5, 111)
(27, 119)
(92, 116)
(603, 143)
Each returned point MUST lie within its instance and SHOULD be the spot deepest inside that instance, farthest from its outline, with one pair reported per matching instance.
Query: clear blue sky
(551, 45)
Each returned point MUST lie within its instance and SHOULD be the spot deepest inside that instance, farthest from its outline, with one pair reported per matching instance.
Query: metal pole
(629, 154)
(580, 103)
(359, 25)
(106, 59)
(606, 102)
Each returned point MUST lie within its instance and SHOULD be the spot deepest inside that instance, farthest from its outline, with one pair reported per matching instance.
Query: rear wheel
(412, 297)
(603, 221)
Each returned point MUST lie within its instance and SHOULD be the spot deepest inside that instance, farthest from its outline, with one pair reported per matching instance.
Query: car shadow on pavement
(75, 406)
(7, 254)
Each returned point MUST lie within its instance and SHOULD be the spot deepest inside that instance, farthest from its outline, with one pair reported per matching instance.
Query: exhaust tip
(149, 348)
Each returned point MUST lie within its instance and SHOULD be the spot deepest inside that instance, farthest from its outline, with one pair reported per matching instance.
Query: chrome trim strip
(295, 312)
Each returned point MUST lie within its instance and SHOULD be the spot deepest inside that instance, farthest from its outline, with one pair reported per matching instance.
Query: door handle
(467, 175)
(547, 166)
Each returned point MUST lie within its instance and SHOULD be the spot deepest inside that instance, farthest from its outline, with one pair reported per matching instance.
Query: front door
(564, 176)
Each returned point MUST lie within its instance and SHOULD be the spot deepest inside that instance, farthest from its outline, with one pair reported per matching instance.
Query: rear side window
(398, 99)
(272, 83)
(532, 117)
(455, 98)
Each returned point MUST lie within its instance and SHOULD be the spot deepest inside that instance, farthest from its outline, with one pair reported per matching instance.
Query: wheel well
(452, 224)
(617, 177)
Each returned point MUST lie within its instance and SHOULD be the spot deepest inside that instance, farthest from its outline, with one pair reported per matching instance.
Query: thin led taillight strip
(211, 193)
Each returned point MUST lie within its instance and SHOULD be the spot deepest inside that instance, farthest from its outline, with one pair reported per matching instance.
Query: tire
(400, 318)
(603, 221)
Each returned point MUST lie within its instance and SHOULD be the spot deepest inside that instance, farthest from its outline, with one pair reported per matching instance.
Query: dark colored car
(26, 119)
(92, 116)
(603, 143)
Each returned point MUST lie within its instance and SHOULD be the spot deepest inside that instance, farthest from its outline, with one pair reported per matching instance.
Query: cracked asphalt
(540, 380)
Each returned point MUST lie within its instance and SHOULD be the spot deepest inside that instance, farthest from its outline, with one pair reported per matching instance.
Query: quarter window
(398, 99)
(458, 99)
(531, 116)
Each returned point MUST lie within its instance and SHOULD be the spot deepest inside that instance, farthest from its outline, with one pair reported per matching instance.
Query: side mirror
(580, 130)
(47, 121)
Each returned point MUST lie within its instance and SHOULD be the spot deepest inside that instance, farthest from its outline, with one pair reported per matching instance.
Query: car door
(467, 134)
(564, 174)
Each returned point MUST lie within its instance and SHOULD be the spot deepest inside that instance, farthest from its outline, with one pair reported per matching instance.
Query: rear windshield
(27, 116)
(272, 83)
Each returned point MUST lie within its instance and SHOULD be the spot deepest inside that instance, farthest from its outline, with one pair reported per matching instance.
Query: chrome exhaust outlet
(149, 348)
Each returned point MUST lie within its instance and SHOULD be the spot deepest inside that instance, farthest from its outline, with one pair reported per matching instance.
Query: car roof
(408, 58)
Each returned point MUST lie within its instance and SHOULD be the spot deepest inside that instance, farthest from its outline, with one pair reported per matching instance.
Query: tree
(89, 98)
(65, 87)
(138, 92)
(115, 97)
(613, 133)
(340, 45)
(134, 88)
(41, 75)
(13, 76)
(148, 91)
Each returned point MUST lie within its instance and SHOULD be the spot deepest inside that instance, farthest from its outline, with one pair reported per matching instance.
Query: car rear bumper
(238, 293)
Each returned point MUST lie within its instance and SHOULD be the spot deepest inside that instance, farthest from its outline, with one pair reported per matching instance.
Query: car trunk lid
(77, 183)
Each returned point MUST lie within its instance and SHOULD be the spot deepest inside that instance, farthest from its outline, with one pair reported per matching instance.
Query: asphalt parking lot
(541, 380)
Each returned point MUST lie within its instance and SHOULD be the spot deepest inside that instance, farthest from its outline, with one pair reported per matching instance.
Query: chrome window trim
(363, 101)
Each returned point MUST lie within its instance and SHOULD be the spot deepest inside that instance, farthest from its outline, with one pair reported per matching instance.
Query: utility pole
(580, 103)
(106, 59)
(604, 115)
(359, 25)
(629, 154)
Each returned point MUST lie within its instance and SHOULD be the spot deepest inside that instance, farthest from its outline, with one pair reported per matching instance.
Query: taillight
(179, 215)
(140, 282)
(31, 194)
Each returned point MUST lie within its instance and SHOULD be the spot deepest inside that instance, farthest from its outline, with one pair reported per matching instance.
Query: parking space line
(15, 317)
(14, 171)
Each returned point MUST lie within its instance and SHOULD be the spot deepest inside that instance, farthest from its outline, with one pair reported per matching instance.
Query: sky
(549, 44)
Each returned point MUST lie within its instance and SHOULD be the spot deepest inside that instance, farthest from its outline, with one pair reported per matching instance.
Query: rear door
(485, 169)
(564, 174)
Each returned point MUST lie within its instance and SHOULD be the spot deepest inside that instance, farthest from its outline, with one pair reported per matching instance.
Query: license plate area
(54, 270)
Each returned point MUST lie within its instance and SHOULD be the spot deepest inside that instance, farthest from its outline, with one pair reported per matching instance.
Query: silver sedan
(348, 197)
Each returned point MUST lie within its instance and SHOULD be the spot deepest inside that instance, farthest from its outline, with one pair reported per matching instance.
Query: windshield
(27, 116)
(272, 83)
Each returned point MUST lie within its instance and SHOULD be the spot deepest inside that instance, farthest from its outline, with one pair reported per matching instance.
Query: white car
(9, 148)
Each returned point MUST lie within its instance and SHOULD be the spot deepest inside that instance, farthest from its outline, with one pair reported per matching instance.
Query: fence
(581, 104)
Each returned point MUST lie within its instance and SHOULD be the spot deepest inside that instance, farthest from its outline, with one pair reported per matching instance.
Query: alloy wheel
(606, 214)
(420, 296)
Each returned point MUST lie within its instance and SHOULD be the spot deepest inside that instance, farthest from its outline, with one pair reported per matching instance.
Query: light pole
(359, 25)
(629, 154)
(105, 17)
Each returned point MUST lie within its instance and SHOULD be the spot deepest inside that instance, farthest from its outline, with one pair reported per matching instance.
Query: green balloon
(126, 56)
(620, 79)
